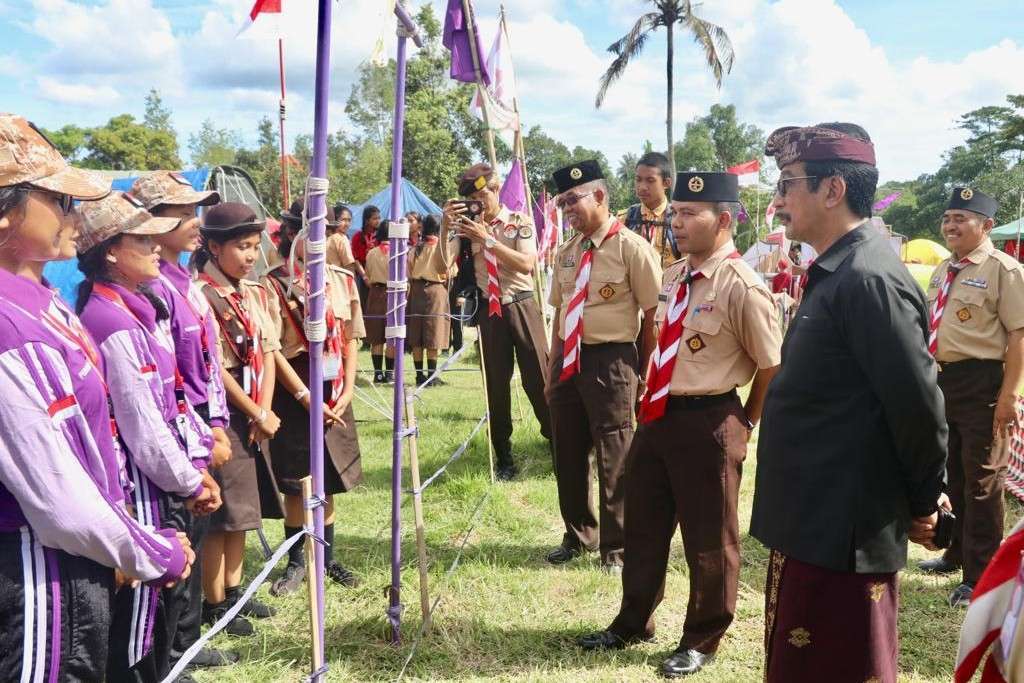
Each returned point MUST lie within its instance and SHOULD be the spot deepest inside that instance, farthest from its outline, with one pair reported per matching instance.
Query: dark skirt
(247, 487)
(821, 624)
(374, 314)
(427, 316)
(289, 449)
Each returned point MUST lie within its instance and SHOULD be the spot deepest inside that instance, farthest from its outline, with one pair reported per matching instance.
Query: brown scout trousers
(593, 410)
(974, 469)
(517, 335)
(685, 469)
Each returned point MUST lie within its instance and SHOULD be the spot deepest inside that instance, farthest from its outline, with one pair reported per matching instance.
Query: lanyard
(201, 319)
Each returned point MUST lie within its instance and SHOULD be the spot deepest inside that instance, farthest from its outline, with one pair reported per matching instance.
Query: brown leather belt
(698, 402)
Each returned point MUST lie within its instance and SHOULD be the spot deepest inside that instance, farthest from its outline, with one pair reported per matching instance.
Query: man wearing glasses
(608, 280)
(852, 449)
(509, 321)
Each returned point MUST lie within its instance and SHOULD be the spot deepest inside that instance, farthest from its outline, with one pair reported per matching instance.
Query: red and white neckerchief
(493, 285)
(939, 307)
(252, 359)
(573, 344)
(663, 362)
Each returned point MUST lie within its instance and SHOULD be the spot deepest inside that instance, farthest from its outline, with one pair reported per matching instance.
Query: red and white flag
(993, 625)
(747, 172)
(769, 215)
(259, 7)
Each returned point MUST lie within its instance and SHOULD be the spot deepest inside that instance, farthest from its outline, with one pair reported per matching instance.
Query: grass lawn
(505, 614)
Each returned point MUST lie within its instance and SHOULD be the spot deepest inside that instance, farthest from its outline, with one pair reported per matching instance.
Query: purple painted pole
(315, 306)
(396, 318)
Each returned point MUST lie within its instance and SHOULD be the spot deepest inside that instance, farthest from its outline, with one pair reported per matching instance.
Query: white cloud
(52, 90)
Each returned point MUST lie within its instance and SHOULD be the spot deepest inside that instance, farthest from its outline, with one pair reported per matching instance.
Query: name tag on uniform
(976, 282)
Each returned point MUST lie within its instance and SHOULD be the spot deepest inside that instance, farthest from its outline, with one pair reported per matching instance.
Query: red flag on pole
(258, 8)
(747, 172)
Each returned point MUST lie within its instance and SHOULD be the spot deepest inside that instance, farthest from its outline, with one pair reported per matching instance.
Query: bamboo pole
(311, 586)
(467, 10)
(417, 506)
(487, 397)
(285, 190)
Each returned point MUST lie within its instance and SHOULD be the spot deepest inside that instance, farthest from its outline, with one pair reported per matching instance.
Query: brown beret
(475, 178)
(230, 217)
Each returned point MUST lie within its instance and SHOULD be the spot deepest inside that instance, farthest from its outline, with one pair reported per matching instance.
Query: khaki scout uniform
(685, 467)
(290, 446)
(985, 304)
(654, 228)
(339, 251)
(430, 267)
(517, 336)
(377, 298)
(248, 489)
(594, 409)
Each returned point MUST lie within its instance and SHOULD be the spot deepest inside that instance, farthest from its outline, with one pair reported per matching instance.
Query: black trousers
(54, 612)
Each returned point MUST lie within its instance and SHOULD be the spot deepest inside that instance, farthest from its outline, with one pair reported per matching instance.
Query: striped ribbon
(939, 307)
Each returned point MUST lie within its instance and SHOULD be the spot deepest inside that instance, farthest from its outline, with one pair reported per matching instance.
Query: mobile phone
(944, 529)
(470, 208)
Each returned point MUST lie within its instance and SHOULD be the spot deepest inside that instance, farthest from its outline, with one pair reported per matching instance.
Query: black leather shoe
(601, 640)
(563, 554)
(961, 595)
(938, 565)
(685, 662)
(506, 472)
(209, 657)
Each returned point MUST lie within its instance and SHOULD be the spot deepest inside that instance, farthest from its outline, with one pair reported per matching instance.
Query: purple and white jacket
(60, 471)
(190, 315)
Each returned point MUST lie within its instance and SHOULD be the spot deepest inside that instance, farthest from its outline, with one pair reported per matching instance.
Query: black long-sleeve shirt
(853, 436)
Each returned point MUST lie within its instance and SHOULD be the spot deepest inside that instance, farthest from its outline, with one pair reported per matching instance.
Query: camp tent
(925, 252)
(232, 183)
(413, 199)
(1009, 231)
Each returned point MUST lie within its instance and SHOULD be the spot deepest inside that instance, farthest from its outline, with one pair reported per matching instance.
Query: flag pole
(285, 190)
(467, 9)
(316, 212)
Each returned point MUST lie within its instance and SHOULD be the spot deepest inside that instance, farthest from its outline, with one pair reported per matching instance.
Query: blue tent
(233, 184)
(413, 199)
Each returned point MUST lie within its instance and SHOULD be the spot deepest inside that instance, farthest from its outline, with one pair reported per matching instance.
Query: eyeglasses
(780, 187)
(570, 200)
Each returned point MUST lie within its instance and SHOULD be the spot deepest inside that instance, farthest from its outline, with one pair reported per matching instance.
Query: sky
(904, 70)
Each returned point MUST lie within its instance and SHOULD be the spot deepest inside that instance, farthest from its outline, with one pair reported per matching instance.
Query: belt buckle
(506, 299)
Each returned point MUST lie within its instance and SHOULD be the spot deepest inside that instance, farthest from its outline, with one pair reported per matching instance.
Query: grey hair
(594, 186)
(734, 211)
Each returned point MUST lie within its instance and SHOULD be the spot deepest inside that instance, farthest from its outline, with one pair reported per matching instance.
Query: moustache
(783, 217)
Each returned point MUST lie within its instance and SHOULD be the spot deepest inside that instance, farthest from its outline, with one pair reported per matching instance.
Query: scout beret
(293, 213)
(231, 217)
(973, 200)
(706, 187)
(574, 175)
(475, 178)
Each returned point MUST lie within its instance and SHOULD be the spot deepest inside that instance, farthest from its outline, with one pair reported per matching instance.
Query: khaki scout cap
(172, 188)
(27, 157)
(118, 213)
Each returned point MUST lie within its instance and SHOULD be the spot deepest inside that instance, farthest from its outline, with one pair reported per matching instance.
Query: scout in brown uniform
(593, 382)
(976, 300)
(289, 449)
(377, 308)
(652, 217)
(339, 247)
(430, 267)
(509, 323)
(248, 339)
(717, 330)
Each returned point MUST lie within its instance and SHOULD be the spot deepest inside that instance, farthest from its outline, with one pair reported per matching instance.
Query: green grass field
(504, 613)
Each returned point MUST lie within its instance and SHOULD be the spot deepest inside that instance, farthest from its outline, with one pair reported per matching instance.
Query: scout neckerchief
(939, 307)
(574, 313)
(246, 347)
(663, 362)
(181, 420)
(336, 341)
(493, 285)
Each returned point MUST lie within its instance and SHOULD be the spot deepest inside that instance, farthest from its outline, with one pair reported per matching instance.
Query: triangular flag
(513, 192)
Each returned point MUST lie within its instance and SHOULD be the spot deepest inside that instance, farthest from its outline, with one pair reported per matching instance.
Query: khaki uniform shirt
(339, 251)
(659, 240)
(514, 230)
(261, 306)
(432, 259)
(377, 266)
(731, 328)
(625, 278)
(342, 297)
(985, 304)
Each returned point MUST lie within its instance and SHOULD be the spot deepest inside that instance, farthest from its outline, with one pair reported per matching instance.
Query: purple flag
(456, 39)
(513, 192)
(883, 204)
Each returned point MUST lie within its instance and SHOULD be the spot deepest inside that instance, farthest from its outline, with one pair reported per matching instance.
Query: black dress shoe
(685, 662)
(961, 595)
(563, 554)
(601, 640)
(938, 565)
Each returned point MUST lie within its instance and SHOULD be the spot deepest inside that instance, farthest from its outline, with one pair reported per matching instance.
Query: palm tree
(710, 37)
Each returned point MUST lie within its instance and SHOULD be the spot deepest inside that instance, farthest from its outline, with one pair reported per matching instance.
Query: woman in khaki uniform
(377, 308)
(246, 316)
(290, 447)
(430, 267)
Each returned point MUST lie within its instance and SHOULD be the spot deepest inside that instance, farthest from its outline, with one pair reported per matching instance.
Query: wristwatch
(490, 242)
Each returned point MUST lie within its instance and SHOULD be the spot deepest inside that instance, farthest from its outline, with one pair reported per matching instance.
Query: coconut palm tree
(710, 37)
